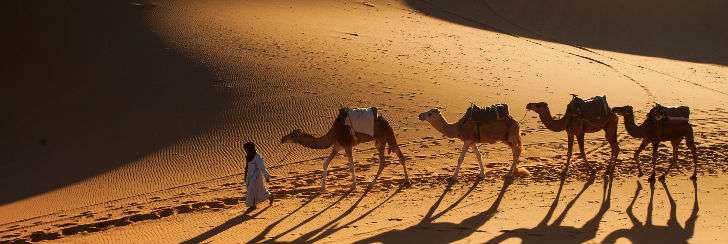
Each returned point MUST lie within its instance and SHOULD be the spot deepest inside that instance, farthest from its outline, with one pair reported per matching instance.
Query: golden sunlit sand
(125, 121)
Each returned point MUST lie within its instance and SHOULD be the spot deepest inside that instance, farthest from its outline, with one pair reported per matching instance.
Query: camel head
(427, 115)
(292, 137)
(538, 107)
(625, 110)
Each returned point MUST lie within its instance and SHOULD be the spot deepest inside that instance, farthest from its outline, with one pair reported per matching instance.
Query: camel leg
(460, 161)
(691, 144)
(675, 146)
(404, 167)
(327, 160)
(580, 141)
(611, 136)
(569, 150)
(382, 159)
(655, 145)
(637, 156)
(516, 151)
(480, 160)
(352, 167)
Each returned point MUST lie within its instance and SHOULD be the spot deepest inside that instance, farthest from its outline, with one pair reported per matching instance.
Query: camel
(340, 136)
(578, 123)
(505, 130)
(657, 128)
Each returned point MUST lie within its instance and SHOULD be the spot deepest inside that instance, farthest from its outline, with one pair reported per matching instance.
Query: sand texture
(124, 121)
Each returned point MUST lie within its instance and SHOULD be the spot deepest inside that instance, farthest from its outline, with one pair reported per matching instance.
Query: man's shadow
(650, 233)
(555, 232)
(442, 232)
(225, 226)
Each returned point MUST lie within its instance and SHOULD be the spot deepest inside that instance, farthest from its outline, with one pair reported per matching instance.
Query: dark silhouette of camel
(423, 230)
(225, 226)
(650, 233)
(555, 232)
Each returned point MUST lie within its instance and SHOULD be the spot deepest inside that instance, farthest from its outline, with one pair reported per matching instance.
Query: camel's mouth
(422, 117)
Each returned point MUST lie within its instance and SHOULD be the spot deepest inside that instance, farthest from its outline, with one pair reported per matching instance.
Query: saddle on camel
(360, 120)
(664, 114)
(485, 115)
(594, 109)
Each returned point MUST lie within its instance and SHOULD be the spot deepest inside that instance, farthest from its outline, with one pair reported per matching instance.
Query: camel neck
(633, 129)
(310, 141)
(550, 122)
(441, 125)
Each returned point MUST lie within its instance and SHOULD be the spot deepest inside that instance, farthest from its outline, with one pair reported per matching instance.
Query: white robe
(256, 191)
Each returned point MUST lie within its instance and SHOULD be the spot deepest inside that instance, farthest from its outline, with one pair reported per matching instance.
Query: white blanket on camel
(361, 120)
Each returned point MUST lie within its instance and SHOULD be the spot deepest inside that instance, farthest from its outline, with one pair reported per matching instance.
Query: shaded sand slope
(693, 31)
(92, 88)
(254, 70)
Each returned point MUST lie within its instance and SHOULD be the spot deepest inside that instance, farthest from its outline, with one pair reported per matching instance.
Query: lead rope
(524, 117)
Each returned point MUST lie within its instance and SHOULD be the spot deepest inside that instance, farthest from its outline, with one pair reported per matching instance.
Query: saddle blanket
(487, 114)
(679, 113)
(592, 108)
(361, 120)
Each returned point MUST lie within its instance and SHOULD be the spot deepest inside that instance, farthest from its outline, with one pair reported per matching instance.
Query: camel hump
(361, 120)
(592, 108)
(660, 112)
(487, 114)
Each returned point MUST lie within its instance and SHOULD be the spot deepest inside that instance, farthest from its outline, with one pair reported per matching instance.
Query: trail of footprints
(430, 161)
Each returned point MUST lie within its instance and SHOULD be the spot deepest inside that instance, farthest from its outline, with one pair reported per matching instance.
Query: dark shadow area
(89, 87)
(225, 226)
(555, 232)
(694, 31)
(426, 231)
(270, 227)
(284, 233)
(650, 233)
(332, 226)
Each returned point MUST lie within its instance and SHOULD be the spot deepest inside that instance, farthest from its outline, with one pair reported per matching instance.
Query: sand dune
(125, 117)
(689, 31)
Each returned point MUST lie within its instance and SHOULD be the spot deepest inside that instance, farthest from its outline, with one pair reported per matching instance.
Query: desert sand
(125, 121)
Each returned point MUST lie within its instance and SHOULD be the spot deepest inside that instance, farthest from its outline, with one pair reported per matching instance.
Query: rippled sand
(135, 112)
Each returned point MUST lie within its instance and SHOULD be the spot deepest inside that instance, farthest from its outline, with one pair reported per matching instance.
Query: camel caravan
(492, 124)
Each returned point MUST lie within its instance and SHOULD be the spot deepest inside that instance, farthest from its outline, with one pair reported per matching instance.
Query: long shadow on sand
(270, 227)
(225, 226)
(693, 31)
(90, 87)
(332, 226)
(555, 232)
(289, 230)
(441, 232)
(650, 233)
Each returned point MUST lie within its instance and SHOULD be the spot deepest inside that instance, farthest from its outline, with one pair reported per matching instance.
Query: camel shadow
(289, 230)
(650, 233)
(443, 232)
(270, 227)
(697, 36)
(331, 227)
(225, 226)
(555, 232)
